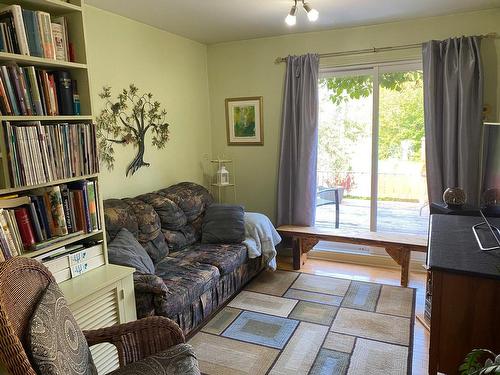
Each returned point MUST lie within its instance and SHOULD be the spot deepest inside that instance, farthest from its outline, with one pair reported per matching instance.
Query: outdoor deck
(398, 217)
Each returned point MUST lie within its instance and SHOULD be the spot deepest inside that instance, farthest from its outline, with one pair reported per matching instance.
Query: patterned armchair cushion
(185, 283)
(177, 360)
(225, 257)
(56, 342)
(171, 216)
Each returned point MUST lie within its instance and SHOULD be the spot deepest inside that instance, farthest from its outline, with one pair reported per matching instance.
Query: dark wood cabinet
(465, 289)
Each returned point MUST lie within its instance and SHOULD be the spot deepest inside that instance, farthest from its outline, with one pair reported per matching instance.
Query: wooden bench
(398, 246)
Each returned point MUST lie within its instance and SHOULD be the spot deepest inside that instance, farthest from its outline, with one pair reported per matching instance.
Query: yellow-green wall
(121, 51)
(247, 68)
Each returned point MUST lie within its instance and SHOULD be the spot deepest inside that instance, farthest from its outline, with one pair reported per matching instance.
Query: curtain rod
(280, 60)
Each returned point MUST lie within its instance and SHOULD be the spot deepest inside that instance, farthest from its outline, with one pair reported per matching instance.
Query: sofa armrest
(150, 293)
(148, 283)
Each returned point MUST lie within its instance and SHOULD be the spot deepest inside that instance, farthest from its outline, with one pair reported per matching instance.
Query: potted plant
(480, 362)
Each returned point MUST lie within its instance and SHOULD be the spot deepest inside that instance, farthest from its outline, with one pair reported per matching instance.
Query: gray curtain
(299, 142)
(453, 99)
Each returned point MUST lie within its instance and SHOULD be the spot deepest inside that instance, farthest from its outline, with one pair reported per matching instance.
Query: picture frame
(245, 121)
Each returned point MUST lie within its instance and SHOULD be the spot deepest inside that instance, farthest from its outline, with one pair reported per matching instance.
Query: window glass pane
(402, 190)
(344, 151)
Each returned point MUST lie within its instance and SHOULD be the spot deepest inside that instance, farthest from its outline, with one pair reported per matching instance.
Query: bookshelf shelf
(65, 240)
(45, 118)
(40, 62)
(52, 6)
(50, 183)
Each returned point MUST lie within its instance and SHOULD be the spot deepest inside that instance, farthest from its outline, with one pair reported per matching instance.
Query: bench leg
(296, 253)
(405, 268)
(401, 257)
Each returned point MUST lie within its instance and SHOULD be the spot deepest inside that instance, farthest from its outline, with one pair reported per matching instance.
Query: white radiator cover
(102, 311)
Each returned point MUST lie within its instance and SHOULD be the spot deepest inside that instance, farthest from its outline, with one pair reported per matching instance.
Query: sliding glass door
(371, 149)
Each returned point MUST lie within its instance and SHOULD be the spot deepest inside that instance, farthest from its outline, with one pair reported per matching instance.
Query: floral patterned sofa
(191, 279)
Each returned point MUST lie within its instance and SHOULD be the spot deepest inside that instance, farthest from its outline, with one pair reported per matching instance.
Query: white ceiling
(214, 21)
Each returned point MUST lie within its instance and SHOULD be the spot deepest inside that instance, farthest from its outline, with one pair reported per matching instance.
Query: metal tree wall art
(126, 120)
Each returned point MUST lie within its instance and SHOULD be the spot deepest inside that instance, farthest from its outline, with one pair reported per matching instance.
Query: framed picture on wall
(244, 121)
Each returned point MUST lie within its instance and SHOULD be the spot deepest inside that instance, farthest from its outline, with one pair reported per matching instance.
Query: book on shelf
(39, 153)
(47, 216)
(13, 17)
(72, 261)
(34, 33)
(26, 91)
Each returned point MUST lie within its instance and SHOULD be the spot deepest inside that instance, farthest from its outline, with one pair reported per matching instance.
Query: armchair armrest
(140, 339)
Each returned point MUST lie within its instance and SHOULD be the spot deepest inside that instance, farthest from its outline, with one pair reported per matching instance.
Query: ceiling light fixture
(291, 19)
(312, 14)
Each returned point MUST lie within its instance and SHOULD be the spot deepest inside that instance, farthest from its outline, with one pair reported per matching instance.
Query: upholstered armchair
(153, 345)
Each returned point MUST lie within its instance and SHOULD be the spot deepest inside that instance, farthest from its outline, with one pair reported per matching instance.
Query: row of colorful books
(26, 91)
(73, 260)
(42, 153)
(46, 216)
(34, 33)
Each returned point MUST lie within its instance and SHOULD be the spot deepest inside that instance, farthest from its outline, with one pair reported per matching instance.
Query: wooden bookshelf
(107, 290)
(72, 10)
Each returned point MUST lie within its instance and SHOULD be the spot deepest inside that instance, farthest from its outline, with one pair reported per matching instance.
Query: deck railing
(391, 186)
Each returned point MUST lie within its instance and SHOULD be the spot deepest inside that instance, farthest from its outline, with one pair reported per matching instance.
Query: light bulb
(313, 15)
(291, 19)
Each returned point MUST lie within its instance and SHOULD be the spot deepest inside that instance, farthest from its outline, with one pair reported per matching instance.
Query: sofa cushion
(171, 215)
(177, 360)
(190, 197)
(56, 343)
(185, 282)
(124, 250)
(138, 218)
(225, 257)
(148, 220)
(118, 215)
(179, 239)
(223, 223)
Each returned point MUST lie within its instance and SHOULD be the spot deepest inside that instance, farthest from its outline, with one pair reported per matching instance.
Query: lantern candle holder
(223, 180)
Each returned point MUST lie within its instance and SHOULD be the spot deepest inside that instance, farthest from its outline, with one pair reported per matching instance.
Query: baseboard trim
(365, 260)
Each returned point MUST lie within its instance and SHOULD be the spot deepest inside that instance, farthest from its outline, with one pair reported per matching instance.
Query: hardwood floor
(377, 275)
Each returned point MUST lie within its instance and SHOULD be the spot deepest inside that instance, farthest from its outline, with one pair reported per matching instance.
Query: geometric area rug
(296, 323)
